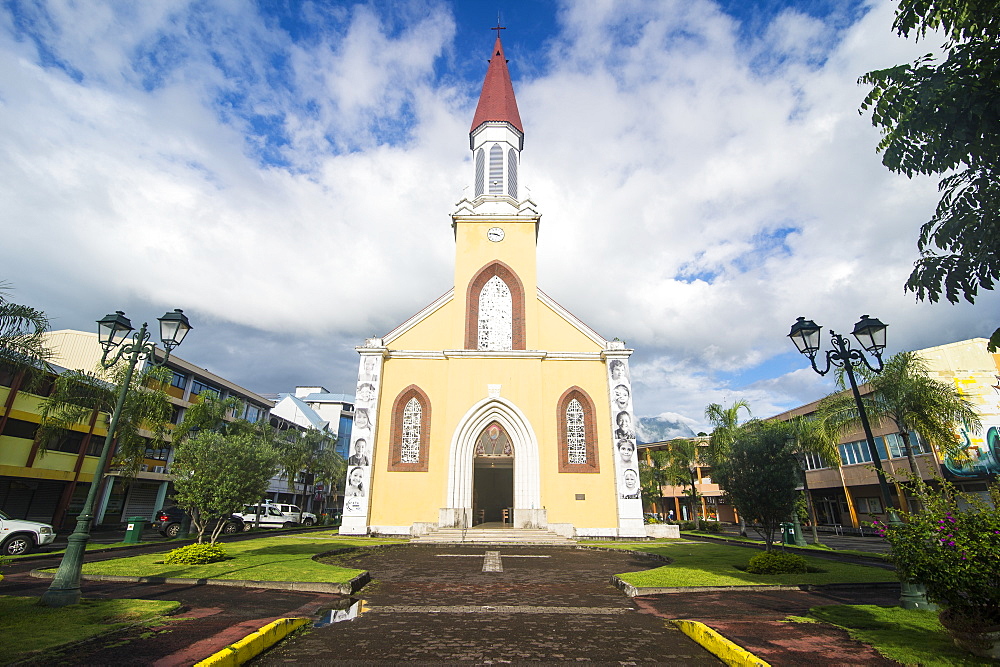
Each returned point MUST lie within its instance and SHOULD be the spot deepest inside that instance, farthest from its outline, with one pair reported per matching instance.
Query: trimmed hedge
(777, 562)
(196, 554)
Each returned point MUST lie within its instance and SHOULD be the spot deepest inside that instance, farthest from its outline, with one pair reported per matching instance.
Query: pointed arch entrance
(493, 476)
(526, 492)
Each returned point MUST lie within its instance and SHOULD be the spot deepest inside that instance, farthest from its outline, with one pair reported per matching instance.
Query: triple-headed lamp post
(111, 331)
(870, 333)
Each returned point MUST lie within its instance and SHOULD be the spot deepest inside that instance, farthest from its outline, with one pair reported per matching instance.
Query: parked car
(18, 536)
(297, 515)
(266, 516)
(168, 522)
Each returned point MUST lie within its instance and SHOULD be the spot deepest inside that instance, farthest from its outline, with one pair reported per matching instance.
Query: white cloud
(714, 186)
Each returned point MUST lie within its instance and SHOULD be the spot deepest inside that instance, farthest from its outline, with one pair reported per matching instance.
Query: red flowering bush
(951, 545)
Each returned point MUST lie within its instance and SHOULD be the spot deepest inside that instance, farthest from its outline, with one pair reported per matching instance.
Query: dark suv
(168, 522)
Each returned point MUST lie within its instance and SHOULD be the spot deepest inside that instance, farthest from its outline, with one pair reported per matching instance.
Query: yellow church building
(494, 405)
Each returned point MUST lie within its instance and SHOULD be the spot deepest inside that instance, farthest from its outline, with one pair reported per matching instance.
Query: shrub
(687, 525)
(711, 526)
(951, 546)
(195, 554)
(777, 562)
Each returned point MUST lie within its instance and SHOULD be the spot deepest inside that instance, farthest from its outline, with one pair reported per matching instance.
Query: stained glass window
(495, 316)
(410, 451)
(576, 437)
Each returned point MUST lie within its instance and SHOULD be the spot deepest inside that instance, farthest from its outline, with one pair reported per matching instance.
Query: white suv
(19, 537)
(297, 515)
(269, 517)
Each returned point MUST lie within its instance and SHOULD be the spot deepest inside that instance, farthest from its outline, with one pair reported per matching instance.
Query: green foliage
(939, 116)
(217, 473)
(777, 562)
(681, 464)
(710, 526)
(195, 554)
(653, 474)
(725, 426)
(22, 335)
(904, 393)
(77, 395)
(952, 546)
(310, 451)
(759, 474)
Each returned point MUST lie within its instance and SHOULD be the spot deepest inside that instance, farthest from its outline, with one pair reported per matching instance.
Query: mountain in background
(656, 429)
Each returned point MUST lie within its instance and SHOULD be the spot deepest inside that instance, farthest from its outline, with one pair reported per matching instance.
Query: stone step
(493, 536)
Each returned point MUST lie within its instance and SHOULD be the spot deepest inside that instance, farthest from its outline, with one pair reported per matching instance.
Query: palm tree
(22, 335)
(904, 394)
(725, 428)
(683, 465)
(654, 474)
(813, 436)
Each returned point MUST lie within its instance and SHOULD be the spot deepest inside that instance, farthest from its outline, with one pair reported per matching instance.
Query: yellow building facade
(494, 404)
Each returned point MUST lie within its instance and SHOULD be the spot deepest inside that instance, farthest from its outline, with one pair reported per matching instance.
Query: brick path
(426, 607)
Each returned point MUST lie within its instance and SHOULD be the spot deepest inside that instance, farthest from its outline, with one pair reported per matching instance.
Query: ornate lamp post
(112, 331)
(870, 333)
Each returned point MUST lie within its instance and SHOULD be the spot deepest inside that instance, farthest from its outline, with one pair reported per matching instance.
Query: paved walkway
(448, 604)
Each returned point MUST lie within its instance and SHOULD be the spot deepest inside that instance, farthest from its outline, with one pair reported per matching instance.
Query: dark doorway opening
(493, 489)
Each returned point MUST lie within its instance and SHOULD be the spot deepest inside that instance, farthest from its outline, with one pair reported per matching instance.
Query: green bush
(711, 526)
(777, 562)
(687, 525)
(195, 554)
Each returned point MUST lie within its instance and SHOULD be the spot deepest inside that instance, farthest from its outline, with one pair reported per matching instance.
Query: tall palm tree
(22, 334)
(725, 428)
(684, 460)
(813, 436)
(654, 474)
(904, 394)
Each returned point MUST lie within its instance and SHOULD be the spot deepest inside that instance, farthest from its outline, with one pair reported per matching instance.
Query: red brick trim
(590, 430)
(506, 274)
(396, 434)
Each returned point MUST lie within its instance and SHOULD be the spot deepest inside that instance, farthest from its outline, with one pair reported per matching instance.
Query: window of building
(410, 431)
(68, 441)
(177, 379)
(897, 449)
(252, 413)
(480, 172)
(512, 173)
(18, 428)
(495, 316)
(578, 434)
(198, 387)
(496, 170)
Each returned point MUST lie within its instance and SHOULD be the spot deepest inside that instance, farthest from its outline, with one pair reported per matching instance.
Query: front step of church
(519, 536)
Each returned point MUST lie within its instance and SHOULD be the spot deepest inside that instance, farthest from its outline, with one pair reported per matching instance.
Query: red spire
(497, 102)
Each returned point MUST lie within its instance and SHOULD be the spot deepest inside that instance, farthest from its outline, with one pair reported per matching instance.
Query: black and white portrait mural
(623, 428)
(357, 491)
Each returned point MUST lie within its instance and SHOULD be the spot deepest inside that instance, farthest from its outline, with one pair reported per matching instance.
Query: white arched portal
(528, 511)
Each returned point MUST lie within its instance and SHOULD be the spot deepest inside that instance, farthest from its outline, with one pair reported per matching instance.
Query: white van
(267, 516)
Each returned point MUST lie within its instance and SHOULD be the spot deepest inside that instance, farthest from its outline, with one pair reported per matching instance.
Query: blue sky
(284, 172)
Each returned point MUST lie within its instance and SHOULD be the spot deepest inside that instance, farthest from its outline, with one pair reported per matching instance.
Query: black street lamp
(870, 333)
(111, 332)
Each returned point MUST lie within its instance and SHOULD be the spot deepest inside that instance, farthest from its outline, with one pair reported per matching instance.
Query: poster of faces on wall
(359, 460)
(623, 429)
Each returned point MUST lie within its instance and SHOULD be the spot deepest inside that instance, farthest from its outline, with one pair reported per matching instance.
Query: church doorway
(493, 477)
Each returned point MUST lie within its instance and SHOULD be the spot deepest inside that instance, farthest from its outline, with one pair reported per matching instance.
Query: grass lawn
(90, 547)
(908, 636)
(26, 627)
(708, 564)
(266, 559)
(816, 547)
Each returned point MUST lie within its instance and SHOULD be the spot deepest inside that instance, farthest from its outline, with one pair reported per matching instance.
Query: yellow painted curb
(254, 644)
(719, 646)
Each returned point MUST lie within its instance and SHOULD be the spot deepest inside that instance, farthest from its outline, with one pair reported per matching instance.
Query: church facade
(494, 404)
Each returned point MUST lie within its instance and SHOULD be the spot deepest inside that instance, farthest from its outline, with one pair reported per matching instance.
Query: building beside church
(494, 404)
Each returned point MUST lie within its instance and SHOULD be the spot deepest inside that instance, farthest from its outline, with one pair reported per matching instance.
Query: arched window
(495, 316)
(410, 449)
(480, 172)
(496, 170)
(577, 432)
(410, 436)
(510, 318)
(512, 173)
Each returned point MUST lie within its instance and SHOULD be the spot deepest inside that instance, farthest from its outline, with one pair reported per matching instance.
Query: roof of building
(326, 397)
(496, 101)
(310, 416)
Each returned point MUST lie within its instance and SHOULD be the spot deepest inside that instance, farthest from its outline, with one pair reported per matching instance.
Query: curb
(635, 591)
(722, 648)
(253, 644)
(346, 588)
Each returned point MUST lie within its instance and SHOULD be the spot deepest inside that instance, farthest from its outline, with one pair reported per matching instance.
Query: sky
(285, 171)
